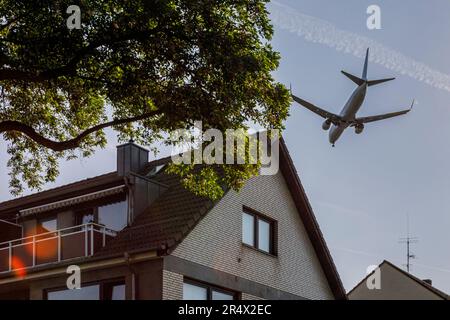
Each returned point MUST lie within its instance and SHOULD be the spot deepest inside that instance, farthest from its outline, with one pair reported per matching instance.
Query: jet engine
(359, 128)
(326, 125)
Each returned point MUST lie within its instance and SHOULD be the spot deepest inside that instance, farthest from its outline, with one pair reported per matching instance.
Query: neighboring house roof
(407, 274)
(177, 211)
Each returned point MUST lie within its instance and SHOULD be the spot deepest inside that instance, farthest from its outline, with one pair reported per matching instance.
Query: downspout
(130, 198)
(133, 275)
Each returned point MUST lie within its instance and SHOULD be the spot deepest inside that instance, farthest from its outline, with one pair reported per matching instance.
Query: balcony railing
(55, 246)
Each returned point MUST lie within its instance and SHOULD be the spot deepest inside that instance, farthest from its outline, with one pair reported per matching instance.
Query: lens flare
(18, 267)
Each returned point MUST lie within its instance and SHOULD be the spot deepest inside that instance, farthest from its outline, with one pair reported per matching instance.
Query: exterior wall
(149, 277)
(394, 286)
(172, 286)
(216, 241)
(38, 287)
(144, 277)
(246, 296)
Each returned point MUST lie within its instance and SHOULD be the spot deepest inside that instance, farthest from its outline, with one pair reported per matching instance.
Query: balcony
(52, 247)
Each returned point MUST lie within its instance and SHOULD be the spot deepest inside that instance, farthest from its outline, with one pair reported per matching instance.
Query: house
(395, 284)
(136, 233)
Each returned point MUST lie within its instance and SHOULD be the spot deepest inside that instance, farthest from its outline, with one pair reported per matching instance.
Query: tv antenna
(408, 240)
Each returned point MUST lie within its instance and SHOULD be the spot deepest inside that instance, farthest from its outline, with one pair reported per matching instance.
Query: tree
(142, 67)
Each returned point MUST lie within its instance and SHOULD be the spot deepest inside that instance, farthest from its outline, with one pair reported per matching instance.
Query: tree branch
(59, 146)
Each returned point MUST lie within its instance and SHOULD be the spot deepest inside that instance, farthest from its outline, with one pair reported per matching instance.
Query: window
(85, 293)
(114, 291)
(193, 290)
(248, 229)
(114, 216)
(264, 235)
(101, 291)
(258, 231)
(46, 225)
(221, 295)
(85, 216)
(118, 292)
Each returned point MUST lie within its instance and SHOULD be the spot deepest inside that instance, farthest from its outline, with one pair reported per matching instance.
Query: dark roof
(165, 223)
(177, 211)
(436, 291)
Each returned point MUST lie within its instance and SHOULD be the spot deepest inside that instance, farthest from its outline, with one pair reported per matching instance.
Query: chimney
(428, 281)
(130, 158)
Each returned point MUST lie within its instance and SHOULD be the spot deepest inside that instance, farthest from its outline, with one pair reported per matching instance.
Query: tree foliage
(142, 67)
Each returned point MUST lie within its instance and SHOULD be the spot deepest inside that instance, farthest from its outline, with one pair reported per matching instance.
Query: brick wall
(216, 242)
(172, 286)
(246, 296)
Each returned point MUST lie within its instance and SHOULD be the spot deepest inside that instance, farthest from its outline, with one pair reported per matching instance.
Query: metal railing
(54, 246)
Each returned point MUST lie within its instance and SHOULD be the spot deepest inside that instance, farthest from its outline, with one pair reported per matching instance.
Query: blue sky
(362, 190)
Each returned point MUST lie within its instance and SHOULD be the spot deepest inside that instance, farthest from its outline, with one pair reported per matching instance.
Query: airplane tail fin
(363, 79)
(375, 82)
(366, 62)
(355, 79)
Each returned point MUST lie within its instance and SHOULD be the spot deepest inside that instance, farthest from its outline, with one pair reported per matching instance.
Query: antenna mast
(408, 240)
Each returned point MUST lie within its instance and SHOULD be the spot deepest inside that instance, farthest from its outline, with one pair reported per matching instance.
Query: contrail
(320, 31)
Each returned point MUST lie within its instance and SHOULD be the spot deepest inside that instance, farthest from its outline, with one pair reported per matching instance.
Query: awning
(73, 201)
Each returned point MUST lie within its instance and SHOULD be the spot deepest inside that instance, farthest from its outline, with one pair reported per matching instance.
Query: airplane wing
(381, 116)
(321, 112)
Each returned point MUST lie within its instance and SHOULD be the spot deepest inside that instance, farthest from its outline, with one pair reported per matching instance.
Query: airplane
(347, 118)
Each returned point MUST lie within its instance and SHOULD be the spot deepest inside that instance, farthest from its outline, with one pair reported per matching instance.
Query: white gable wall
(395, 285)
(216, 241)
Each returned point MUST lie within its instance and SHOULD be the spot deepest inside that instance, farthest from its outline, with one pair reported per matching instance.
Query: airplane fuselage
(337, 123)
(348, 113)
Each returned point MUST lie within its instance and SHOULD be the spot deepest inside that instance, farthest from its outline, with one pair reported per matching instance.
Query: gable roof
(177, 211)
(168, 220)
(309, 220)
(408, 275)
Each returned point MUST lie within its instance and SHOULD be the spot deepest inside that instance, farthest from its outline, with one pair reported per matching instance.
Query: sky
(363, 189)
